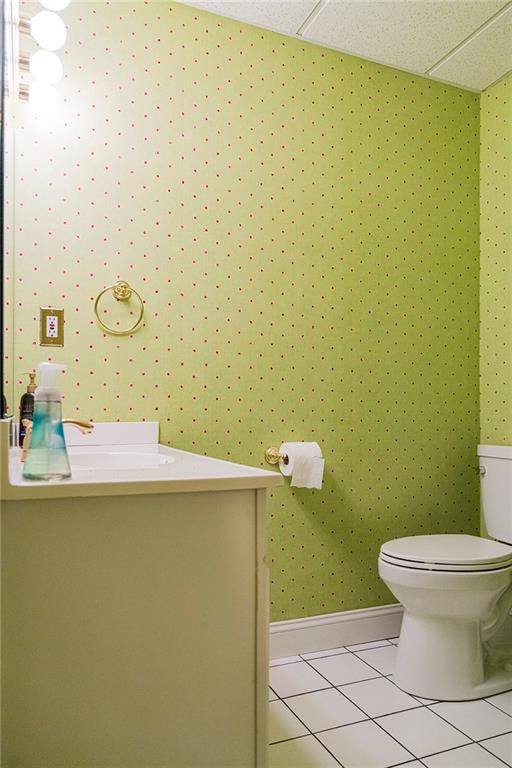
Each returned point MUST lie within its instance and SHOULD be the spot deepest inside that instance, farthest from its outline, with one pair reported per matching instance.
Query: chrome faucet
(85, 427)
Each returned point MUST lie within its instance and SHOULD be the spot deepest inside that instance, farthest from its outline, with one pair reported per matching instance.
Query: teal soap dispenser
(47, 457)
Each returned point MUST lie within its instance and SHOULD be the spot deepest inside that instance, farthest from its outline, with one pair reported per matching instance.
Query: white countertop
(151, 467)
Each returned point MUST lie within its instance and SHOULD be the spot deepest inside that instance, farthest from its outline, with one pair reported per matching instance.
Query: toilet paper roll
(295, 450)
(305, 464)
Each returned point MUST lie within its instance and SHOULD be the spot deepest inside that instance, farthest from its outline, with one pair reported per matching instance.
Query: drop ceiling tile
(280, 15)
(483, 59)
(410, 34)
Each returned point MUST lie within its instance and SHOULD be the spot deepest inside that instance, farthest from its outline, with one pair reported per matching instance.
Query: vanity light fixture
(42, 96)
(48, 30)
(46, 67)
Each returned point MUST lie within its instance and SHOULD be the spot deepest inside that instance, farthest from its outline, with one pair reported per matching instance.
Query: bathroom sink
(125, 458)
(117, 460)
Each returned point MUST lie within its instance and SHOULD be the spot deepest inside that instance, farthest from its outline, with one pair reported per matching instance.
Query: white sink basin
(118, 460)
(125, 458)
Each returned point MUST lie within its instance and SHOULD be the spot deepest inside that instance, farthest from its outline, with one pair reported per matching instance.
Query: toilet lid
(448, 551)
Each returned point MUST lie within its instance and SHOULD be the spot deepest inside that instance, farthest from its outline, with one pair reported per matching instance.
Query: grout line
(328, 656)
(379, 674)
(390, 735)
(344, 649)
(292, 738)
(342, 725)
(302, 693)
(311, 16)
(384, 714)
(310, 732)
(460, 730)
(427, 706)
(369, 718)
(354, 653)
(482, 744)
(474, 34)
(496, 706)
(444, 751)
(359, 649)
(328, 750)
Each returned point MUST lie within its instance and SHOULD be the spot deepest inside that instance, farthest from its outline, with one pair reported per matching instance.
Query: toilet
(456, 591)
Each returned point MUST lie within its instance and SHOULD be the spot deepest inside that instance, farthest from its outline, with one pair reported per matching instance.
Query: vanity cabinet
(134, 631)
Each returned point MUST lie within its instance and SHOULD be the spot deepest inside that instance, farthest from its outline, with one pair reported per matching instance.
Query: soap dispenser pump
(47, 457)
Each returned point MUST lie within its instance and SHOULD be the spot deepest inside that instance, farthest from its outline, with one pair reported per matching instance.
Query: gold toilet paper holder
(272, 456)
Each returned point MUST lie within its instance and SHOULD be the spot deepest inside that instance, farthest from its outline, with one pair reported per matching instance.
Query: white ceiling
(464, 42)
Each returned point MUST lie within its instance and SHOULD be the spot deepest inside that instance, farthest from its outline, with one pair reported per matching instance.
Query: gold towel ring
(121, 291)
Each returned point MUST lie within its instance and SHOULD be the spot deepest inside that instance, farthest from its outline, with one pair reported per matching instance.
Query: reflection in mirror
(4, 64)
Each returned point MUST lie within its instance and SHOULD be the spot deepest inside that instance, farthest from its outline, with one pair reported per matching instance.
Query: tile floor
(341, 707)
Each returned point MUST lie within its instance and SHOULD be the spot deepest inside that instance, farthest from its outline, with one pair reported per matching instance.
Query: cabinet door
(130, 633)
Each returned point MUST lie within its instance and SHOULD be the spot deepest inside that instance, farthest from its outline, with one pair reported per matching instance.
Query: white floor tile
(502, 701)
(282, 724)
(422, 732)
(382, 659)
(284, 660)
(394, 640)
(325, 709)
(364, 745)
(501, 746)
(306, 752)
(367, 646)
(379, 697)
(471, 756)
(478, 719)
(290, 679)
(346, 668)
(327, 652)
(272, 696)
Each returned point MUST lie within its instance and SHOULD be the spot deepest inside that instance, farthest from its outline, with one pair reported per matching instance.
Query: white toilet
(456, 590)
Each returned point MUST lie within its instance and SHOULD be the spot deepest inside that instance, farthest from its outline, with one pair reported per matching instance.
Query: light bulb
(48, 30)
(46, 67)
(55, 5)
(43, 97)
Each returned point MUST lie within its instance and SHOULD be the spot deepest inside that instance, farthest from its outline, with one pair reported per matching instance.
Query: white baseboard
(332, 630)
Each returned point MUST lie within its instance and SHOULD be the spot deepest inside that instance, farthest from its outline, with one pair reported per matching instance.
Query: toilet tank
(496, 490)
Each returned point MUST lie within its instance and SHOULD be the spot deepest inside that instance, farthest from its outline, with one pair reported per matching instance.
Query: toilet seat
(447, 552)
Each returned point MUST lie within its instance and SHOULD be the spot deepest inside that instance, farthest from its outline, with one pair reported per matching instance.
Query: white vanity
(134, 608)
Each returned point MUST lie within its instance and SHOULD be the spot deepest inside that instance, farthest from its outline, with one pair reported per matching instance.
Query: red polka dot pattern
(303, 227)
(496, 264)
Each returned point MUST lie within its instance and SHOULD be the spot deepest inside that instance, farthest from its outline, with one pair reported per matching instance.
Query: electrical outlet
(51, 327)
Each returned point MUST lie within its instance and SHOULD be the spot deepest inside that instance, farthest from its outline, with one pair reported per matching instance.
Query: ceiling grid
(467, 43)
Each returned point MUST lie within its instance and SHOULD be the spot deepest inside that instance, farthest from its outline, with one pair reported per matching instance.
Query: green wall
(496, 264)
(303, 226)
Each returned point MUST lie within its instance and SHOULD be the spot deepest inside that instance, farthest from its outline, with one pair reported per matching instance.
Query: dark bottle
(27, 405)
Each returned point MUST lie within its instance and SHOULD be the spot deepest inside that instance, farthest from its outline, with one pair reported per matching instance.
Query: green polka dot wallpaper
(303, 228)
(496, 264)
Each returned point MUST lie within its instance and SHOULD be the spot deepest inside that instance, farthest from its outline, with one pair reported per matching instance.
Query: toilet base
(446, 660)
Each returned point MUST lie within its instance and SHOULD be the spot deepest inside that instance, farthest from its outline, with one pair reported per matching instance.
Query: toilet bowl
(452, 610)
(456, 591)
